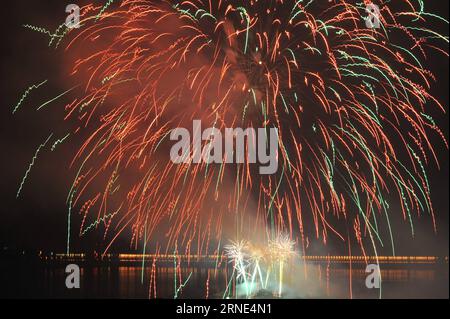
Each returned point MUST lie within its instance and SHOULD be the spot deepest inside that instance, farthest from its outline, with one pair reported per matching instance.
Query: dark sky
(37, 220)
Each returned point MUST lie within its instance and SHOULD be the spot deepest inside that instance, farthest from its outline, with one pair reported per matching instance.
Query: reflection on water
(312, 281)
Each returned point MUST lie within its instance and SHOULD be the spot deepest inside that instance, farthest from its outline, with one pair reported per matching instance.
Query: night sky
(37, 220)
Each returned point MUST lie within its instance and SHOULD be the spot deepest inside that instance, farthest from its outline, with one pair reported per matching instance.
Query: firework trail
(282, 248)
(237, 253)
(31, 165)
(26, 93)
(351, 105)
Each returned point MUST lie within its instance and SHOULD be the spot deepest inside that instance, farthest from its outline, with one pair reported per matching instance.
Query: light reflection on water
(318, 281)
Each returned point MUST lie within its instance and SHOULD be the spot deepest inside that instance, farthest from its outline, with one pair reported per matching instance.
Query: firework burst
(351, 105)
